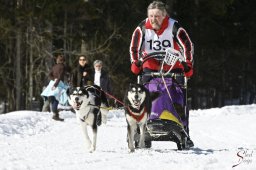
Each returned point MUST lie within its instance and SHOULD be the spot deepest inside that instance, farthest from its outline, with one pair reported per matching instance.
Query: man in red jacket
(155, 34)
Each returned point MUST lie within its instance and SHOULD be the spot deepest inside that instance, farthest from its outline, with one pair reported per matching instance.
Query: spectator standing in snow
(101, 77)
(82, 74)
(55, 91)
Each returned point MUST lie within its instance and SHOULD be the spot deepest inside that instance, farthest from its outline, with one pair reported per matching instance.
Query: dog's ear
(85, 92)
(131, 85)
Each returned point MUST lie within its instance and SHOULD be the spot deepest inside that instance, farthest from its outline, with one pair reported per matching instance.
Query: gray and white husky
(137, 110)
(90, 105)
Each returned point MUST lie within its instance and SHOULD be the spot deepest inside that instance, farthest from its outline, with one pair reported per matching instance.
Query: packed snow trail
(33, 141)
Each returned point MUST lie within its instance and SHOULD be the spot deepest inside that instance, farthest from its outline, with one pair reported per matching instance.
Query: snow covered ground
(223, 137)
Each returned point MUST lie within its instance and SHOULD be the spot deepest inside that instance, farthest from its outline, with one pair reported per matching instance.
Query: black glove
(186, 67)
(138, 63)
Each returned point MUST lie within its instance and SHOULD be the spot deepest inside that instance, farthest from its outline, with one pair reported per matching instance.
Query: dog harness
(92, 107)
(137, 117)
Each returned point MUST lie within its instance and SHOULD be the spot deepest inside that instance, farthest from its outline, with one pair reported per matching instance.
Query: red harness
(137, 117)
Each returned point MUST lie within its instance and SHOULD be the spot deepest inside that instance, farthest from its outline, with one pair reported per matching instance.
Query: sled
(169, 108)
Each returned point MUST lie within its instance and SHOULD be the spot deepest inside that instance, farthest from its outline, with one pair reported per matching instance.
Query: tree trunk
(18, 69)
(18, 60)
(31, 64)
(65, 33)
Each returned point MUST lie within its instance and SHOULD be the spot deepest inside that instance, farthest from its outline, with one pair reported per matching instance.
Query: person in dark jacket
(101, 77)
(82, 74)
(55, 91)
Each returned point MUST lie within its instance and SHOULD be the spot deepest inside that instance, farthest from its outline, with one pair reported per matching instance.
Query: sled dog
(137, 110)
(90, 105)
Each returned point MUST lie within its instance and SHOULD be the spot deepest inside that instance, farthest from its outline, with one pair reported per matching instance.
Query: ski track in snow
(32, 140)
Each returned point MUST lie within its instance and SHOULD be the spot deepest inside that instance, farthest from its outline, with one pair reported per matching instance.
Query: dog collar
(137, 117)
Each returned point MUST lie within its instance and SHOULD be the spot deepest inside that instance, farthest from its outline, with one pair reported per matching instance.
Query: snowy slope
(223, 137)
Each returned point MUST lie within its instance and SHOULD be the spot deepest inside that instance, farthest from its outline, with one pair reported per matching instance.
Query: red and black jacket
(181, 42)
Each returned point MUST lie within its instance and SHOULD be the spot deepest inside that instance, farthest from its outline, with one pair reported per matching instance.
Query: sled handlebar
(170, 56)
(155, 55)
(159, 74)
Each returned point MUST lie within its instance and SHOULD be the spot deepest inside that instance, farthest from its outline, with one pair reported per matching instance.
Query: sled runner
(168, 118)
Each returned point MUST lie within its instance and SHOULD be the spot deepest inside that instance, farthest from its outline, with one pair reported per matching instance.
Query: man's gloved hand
(136, 67)
(185, 66)
(138, 63)
(187, 69)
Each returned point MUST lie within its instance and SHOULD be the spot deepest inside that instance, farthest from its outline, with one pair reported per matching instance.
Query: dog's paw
(131, 150)
(89, 149)
(92, 149)
(88, 145)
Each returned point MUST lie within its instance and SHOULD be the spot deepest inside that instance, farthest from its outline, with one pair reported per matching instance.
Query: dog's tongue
(137, 104)
(76, 106)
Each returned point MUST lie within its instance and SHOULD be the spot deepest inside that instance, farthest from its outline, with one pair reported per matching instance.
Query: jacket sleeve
(135, 47)
(136, 42)
(60, 71)
(50, 75)
(185, 44)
